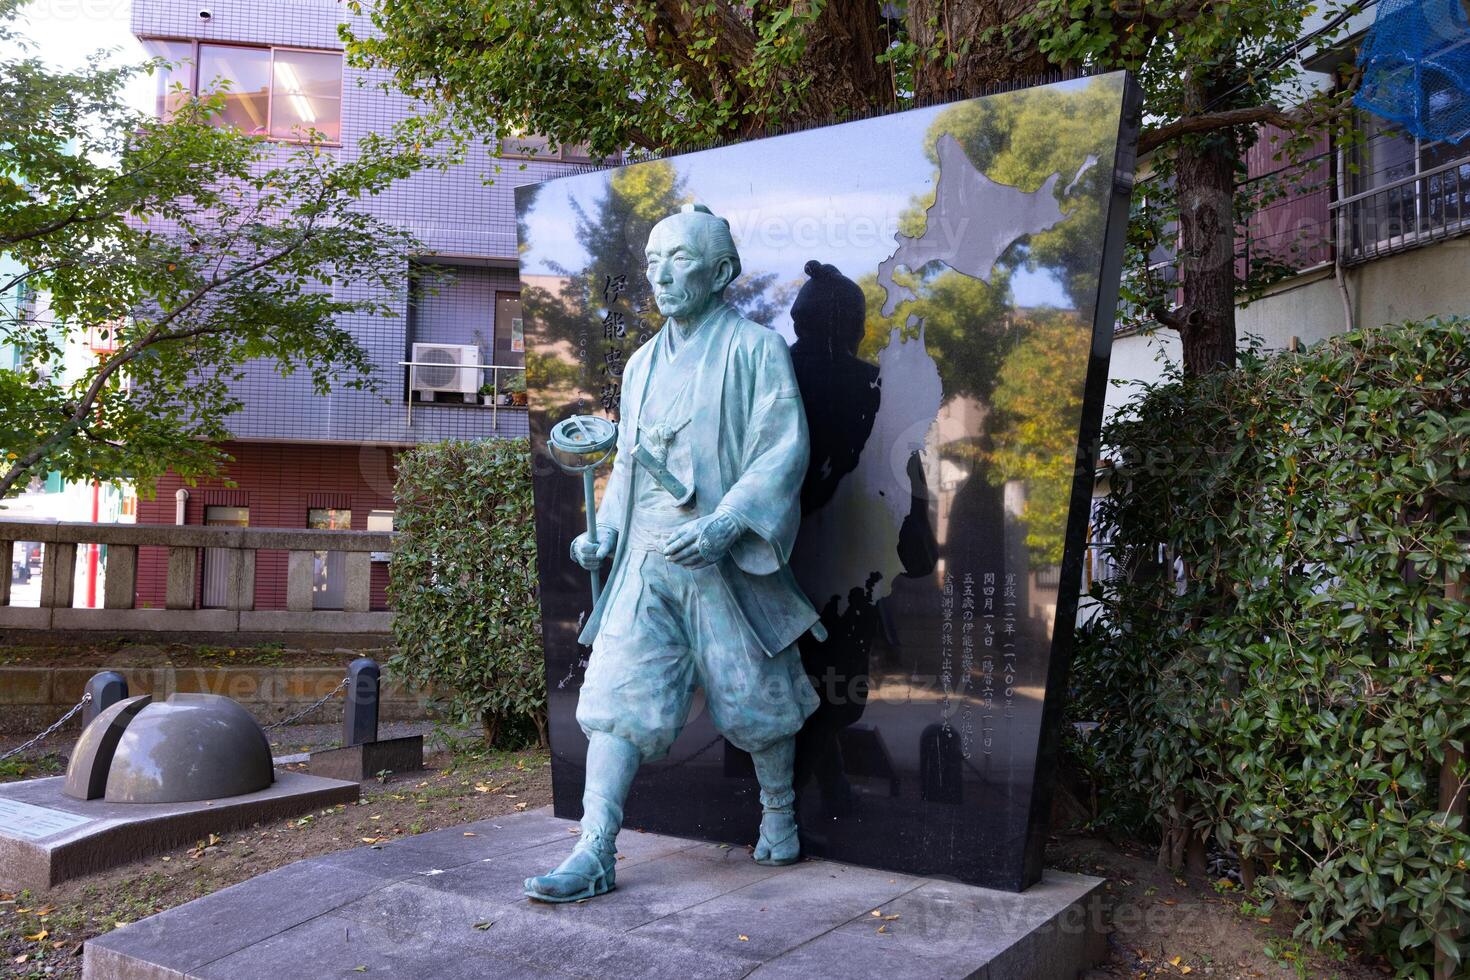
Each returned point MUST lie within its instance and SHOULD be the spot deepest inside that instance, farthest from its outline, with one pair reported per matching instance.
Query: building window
(279, 93)
(380, 520)
(329, 579)
(529, 146)
(176, 79)
(247, 98)
(510, 332)
(306, 94)
(1401, 192)
(451, 333)
(216, 593)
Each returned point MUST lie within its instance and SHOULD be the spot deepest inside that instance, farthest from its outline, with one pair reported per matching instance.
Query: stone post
(120, 588)
(107, 688)
(300, 573)
(58, 571)
(182, 567)
(360, 716)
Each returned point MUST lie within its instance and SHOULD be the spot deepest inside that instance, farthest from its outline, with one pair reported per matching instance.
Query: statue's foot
(778, 843)
(590, 870)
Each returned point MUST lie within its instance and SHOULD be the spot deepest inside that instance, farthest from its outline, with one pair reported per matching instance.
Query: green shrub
(463, 586)
(1283, 662)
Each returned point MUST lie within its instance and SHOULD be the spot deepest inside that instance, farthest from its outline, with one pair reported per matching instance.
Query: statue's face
(685, 281)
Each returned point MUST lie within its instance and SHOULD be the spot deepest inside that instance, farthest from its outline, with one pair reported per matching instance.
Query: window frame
(584, 156)
(194, 45)
(1356, 245)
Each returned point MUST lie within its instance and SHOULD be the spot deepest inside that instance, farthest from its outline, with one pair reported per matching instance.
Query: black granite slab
(953, 425)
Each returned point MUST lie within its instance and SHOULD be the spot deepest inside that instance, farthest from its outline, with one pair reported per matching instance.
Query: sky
(838, 199)
(851, 225)
(66, 31)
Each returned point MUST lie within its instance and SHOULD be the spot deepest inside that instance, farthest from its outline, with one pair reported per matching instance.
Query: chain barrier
(86, 699)
(310, 708)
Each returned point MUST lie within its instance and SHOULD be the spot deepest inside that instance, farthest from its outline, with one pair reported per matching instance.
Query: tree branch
(156, 334)
(1311, 112)
(1208, 122)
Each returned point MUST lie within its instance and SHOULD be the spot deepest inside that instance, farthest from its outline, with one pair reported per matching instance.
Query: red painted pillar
(94, 547)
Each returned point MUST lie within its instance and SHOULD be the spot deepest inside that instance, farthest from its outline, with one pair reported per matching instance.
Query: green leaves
(1298, 688)
(186, 248)
(463, 585)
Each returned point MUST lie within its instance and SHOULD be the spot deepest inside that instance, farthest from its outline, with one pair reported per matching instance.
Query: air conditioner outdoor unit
(443, 368)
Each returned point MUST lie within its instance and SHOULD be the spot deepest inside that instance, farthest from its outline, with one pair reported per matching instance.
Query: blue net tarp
(1416, 68)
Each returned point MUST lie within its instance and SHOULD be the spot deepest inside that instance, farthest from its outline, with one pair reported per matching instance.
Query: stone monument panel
(30, 822)
(944, 280)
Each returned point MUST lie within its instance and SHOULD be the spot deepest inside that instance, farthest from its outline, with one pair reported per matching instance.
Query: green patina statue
(699, 517)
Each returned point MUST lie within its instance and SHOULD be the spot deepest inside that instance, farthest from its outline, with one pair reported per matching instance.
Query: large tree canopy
(1213, 72)
(659, 74)
(662, 73)
(181, 250)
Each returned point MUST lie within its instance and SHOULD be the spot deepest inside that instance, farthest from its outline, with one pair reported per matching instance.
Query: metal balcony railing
(1405, 213)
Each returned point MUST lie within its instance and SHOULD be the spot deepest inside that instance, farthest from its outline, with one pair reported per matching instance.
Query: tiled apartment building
(306, 460)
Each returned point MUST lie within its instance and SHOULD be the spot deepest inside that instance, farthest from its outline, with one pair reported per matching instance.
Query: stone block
(181, 620)
(112, 834)
(314, 621)
(26, 685)
(25, 617)
(448, 905)
(365, 760)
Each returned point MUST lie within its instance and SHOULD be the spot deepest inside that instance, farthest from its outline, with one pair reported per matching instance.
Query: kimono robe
(731, 628)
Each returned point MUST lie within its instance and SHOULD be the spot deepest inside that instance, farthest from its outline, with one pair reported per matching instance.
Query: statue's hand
(704, 541)
(591, 556)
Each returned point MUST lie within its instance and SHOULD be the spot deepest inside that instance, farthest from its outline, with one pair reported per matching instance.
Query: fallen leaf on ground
(883, 929)
(482, 926)
(470, 833)
(744, 938)
(38, 936)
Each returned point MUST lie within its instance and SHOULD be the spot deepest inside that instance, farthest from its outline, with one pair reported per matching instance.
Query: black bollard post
(107, 688)
(360, 716)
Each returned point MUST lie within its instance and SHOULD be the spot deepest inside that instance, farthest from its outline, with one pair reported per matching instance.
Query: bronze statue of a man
(699, 517)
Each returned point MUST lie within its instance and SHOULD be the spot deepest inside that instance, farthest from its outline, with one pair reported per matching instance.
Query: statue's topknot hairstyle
(717, 235)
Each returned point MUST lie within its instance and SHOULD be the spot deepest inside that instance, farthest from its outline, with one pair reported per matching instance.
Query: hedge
(1282, 663)
(467, 620)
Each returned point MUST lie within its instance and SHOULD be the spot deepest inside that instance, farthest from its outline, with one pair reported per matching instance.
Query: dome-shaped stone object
(91, 758)
(190, 747)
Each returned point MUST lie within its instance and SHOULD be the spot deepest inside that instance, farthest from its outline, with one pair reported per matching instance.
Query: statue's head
(830, 312)
(691, 259)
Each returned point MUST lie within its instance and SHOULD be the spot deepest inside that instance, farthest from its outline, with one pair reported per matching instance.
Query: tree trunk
(1205, 175)
(954, 27)
(1196, 856)
(841, 59)
(491, 724)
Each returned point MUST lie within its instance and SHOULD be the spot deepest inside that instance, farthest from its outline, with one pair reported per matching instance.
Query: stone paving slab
(104, 835)
(447, 905)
